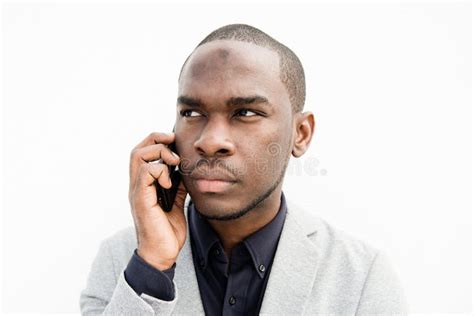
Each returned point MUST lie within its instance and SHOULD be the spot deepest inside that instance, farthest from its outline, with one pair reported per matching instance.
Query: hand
(160, 235)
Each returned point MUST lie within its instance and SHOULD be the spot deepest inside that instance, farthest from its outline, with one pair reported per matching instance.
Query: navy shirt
(228, 286)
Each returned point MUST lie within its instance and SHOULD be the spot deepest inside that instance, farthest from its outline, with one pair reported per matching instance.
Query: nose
(214, 141)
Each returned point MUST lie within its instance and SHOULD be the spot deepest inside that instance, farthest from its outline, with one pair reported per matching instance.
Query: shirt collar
(261, 245)
(202, 235)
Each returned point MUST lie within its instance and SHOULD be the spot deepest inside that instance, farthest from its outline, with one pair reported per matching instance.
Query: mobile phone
(166, 196)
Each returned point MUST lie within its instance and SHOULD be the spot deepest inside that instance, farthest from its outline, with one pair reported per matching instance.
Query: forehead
(227, 68)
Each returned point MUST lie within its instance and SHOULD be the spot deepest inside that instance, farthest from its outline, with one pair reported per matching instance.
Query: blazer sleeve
(382, 292)
(105, 294)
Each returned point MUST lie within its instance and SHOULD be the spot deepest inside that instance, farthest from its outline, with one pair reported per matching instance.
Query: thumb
(180, 197)
(177, 216)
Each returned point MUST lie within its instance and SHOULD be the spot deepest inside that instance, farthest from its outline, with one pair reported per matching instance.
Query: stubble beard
(253, 205)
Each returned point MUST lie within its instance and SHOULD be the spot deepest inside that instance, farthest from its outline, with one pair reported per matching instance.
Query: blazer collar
(293, 269)
(189, 298)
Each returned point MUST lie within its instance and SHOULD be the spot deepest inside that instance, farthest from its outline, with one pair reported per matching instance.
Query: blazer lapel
(189, 297)
(294, 267)
(291, 277)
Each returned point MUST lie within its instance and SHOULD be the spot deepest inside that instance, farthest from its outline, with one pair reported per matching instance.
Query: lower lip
(214, 186)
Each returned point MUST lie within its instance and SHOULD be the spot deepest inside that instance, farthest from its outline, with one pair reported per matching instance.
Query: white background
(389, 84)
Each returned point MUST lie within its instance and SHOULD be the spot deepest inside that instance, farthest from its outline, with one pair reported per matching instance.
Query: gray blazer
(317, 269)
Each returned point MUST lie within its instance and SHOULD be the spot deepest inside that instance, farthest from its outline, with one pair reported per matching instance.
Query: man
(232, 243)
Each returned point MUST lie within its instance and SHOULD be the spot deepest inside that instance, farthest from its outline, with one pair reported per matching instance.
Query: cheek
(266, 162)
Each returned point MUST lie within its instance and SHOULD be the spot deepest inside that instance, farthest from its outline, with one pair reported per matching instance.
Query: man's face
(234, 123)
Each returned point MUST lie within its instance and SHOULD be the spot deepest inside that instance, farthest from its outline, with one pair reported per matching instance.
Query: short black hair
(291, 69)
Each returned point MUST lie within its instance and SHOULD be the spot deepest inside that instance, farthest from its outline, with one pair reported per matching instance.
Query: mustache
(205, 166)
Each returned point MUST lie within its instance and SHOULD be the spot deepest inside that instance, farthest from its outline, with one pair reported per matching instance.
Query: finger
(155, 152)
(150, 153)
(156, 138)
(151, 172)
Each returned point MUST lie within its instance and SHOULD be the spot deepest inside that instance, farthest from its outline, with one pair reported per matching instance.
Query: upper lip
(216, 175)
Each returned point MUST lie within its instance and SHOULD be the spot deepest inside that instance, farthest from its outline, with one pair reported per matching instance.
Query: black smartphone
(166, 196)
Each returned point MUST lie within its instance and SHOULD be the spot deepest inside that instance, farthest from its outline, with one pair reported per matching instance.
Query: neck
(232, 232)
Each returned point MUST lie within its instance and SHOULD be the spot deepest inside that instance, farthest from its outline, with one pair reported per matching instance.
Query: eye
(189, 113)
(246, 112)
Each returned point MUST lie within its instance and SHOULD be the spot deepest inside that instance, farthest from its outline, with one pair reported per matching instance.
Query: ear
(303, 130)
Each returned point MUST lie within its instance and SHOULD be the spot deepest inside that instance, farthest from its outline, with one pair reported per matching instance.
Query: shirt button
(216, 252)
(261, 268)
(232, 300)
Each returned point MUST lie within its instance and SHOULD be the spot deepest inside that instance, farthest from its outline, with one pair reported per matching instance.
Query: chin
(213, 204)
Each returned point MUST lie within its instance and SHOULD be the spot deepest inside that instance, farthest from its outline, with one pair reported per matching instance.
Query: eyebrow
(232, 102)
(236, 101)
(189, 101)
